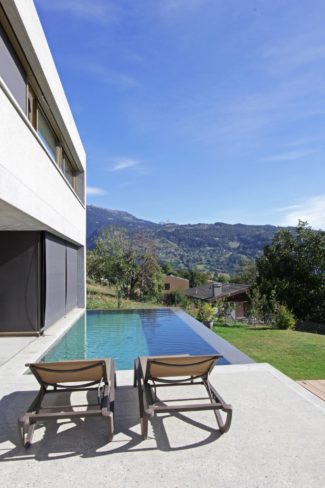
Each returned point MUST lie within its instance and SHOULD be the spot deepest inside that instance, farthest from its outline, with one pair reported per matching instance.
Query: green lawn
(300, 355)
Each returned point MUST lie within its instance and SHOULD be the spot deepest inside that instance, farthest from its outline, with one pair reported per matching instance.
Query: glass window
(31, 107)
(46, 134)
(68, 170)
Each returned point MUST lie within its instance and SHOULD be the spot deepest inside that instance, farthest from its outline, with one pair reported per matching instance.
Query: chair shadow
(87, 437)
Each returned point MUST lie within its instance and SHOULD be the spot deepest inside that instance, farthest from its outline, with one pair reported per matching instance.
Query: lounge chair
(153, 372)
(70, 376)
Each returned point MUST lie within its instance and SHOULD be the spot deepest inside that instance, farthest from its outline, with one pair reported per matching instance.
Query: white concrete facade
(31, 182)
(35, 194)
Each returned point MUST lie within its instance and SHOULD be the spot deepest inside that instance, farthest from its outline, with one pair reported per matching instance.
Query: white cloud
(171, 8)
(311, 210)
(94, 191)
(287, 156)
(124, 163)
(111, 77)
(100, 11)
(290, 54)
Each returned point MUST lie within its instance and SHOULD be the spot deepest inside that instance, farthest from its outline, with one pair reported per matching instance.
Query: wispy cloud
(311, 210)
(291, 54)
(287, 156)
(100, 11)
(124, 163)
(94, 191)
(111, 77)
(171, 8)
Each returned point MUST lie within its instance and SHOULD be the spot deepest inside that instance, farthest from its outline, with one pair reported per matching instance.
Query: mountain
(210, 247)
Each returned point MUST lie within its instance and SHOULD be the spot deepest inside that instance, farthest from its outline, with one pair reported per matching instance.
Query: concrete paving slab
(276, 439)
(11, 346)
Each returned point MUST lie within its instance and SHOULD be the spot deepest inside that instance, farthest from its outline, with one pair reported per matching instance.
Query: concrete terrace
(276, 439)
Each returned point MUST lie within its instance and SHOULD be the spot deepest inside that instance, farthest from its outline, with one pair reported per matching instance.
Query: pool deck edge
(229, 352)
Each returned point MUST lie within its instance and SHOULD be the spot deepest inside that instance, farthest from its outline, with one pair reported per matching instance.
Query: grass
(103, 298)
(300, 355)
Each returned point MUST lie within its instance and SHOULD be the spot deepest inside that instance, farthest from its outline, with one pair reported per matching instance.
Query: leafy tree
(259, 306)
(130, 265)
(150, 276)
(223, 278)
(247, 272)
(196, 277)
(293, 269)
(168, 268)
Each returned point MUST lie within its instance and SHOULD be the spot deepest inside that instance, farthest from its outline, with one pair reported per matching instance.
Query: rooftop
(216, 290)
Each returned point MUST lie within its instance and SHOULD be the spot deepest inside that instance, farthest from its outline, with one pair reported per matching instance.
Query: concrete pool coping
(229, 352)
(23, 350)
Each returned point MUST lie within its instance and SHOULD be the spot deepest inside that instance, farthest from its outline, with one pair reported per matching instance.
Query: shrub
(175, 298)
(206, 313)
(284, 318)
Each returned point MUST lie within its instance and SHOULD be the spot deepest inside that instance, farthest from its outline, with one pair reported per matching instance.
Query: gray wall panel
(54, 278)
(11, 70)
(19, 287)
(72, 269)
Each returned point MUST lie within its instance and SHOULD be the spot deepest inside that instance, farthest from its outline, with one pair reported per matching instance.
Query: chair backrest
(180, 366)
(69, 371)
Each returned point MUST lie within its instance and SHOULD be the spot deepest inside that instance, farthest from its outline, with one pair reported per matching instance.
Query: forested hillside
(210, 247)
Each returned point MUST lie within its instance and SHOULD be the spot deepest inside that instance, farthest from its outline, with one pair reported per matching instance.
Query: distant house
(173, 283)
(230, 292)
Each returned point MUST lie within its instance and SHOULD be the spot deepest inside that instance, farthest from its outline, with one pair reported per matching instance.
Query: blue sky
(197, 110)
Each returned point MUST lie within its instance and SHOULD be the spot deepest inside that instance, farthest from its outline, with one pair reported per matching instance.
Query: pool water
(124, 335)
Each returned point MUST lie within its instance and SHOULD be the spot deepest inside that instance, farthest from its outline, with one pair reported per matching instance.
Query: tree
(168, 268)
(293, 269)
(150, 276)
(196, 277)
(130, 265)
(247, 272)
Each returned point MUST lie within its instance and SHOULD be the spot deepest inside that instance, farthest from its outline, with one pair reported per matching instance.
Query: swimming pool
(126, 334)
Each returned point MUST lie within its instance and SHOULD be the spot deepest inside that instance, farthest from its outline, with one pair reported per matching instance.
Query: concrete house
(235, 293)
(42, 181)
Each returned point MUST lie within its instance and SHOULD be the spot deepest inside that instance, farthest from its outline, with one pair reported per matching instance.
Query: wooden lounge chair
(70, 376)
(151, 373)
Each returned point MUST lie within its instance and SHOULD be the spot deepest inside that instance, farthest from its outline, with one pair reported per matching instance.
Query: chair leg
(110, 420)
(144, 426)
(224, 426)
(26, 430)
(135, 367)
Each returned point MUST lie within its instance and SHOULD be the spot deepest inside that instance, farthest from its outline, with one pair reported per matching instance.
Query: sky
(197, 110)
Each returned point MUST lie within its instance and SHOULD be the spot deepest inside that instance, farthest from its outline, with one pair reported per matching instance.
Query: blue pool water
(124, 335)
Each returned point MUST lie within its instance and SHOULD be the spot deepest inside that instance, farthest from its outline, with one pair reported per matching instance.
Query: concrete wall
(34, 194)
(30, 180)
(29, 32)
(175, 283)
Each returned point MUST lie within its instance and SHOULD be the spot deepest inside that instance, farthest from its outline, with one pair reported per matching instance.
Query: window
(68, 170)
(46, 134)
(31, 107)
(167, 286)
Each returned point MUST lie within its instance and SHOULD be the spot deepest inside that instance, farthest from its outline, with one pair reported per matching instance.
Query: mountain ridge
(211, 247)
